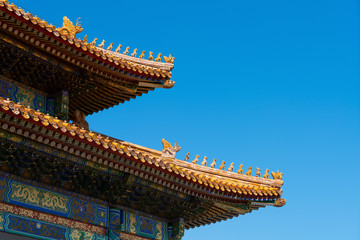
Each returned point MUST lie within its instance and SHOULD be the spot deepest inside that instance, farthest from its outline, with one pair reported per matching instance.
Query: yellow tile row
(87, 47)
(209, 181)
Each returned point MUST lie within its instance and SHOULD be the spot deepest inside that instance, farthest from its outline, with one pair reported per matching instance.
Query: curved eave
(198, 181)
(115, 66)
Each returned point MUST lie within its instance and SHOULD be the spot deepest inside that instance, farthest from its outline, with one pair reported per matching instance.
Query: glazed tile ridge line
(58, 53)
(54, 51)
(43, 24)
(41, 117)
(52, 29)
(228, 174)
(225, 174)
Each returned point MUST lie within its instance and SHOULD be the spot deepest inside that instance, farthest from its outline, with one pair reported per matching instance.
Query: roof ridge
(218, 179)
(69, 31)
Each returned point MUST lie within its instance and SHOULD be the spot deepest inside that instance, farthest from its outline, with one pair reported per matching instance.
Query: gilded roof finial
(277, 175)
(213, 164)
(118, 48)
(168, 150)
(169, 59)
(240, 170)
(231, 168)
(187, 157)
(142, 55)
(126, 52)
(134, 53)
(150, 56)
(266, 175)
(196, 160)
(102, 44)
(110, 47)
(93, 42)
(248, 173)
(158, 58)
(204, 162)
(69, 28)
(257, 174)
(222, 165)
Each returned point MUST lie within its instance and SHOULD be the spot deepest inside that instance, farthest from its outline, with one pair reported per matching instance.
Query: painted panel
(114, 224)
(26, 97)
(144, 226)
(25, 226)
(50, 106)
(32, 197)
(35, 215)
(23, 194)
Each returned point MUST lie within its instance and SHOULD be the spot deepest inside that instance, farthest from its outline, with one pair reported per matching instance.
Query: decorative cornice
(145, 163)
(72, 49)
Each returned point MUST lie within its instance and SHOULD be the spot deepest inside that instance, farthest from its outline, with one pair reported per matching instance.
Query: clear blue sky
(269, 84)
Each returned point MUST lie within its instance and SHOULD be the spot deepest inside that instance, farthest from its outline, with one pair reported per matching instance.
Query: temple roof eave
(188, 178)
(79, 49)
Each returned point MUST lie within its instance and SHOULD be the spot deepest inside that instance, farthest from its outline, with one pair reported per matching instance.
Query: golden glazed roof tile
(215, 179)
(139, 65)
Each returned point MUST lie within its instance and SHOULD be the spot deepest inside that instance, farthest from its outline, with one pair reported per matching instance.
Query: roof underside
(35, 53)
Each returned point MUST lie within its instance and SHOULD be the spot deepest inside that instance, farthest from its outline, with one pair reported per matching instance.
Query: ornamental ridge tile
(66, 35)
(193, 177)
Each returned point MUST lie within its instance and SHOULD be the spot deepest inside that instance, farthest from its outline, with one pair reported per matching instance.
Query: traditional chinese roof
(215, 194)
(51, 59)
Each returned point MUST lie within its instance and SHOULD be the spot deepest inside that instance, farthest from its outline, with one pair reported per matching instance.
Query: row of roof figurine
(71, 30)
(276, 175)
(168, 59)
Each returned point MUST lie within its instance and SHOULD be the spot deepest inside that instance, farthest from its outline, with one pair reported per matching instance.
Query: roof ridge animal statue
(102, 44)
(110, 47)
(204, 162)
(142, 55)
(248, 173)
(231, 168)
(240, 170)
(93, 43)
(69, 28)
(196, 160)
(257, 174)
(151, 57)
(134, 53)
(126, 52)
(187, 157)
(158, 58)
(222, 165)
(169, 59)
(117, 50)
(266, 175)
(277, 175)
(213, 164)
(168, 150)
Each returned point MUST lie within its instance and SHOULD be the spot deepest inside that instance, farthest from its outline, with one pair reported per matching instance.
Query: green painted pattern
(39, 197)
(43, 200)
(38, 229)
(9, 89)
(144, 226)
